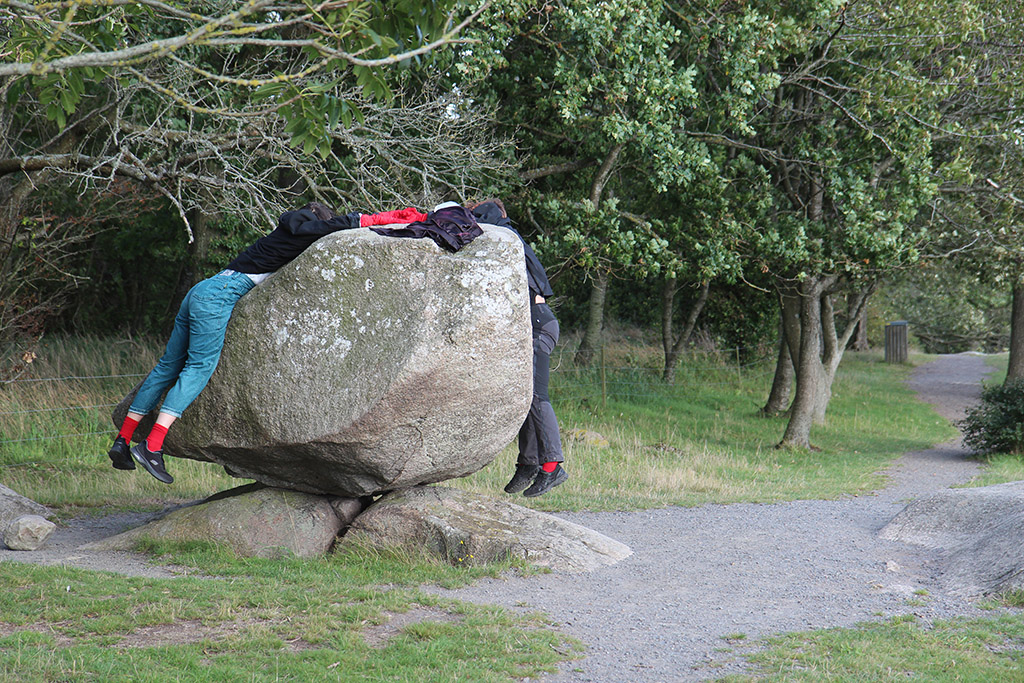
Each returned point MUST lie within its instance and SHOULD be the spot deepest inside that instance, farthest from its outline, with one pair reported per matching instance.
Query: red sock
(549, 466)
(155, 440)
(128, 428)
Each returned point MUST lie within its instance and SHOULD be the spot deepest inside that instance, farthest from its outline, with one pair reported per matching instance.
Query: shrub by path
(703, 582)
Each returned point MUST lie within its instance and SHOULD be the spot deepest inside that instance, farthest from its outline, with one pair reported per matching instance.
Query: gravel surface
(700, 574)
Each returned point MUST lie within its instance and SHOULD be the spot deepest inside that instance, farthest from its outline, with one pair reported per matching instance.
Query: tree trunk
(671, 344)
(1015, 369)
(592, 340)
(782, 383)
(202, 235)
(831, 354)
(817, 364)
(835, 342)
(860, 336)
(20, 313)
(808, 365)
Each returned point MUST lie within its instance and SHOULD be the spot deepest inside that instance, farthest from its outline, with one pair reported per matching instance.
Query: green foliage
(134, 42)
(589, 238)
(976, 319)
(996, 425)
(744, 318)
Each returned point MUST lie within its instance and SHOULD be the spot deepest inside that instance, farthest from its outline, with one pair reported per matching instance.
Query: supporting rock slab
(467, 529)
(14, 505)
(262, 522)
(981, 530)
(947, 518)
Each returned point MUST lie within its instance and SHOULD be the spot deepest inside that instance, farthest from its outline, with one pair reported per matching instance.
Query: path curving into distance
(700, 574)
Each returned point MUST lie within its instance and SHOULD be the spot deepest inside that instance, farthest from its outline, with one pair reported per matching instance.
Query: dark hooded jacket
(295, 232)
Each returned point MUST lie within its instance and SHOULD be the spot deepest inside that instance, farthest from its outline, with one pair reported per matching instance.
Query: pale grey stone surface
(14, 505)
(952, 517)
(28, 532)
(369, 364)
(982, 530)
(467, 529)
(260, 522)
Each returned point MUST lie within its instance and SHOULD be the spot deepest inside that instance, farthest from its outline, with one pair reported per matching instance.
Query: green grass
(248, 619)
(703, 440)
(982, 650)
(54, 435)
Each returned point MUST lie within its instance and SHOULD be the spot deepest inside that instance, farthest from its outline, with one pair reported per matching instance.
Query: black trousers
(539, 437)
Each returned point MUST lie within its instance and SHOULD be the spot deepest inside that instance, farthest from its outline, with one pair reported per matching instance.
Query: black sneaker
(546, 481)
(153, 461)
(524, 476)
(119, 456)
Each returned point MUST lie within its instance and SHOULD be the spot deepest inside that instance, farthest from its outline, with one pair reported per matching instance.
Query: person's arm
(303, 222)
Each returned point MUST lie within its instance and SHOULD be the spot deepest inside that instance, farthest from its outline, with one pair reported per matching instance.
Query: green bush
(996, 425)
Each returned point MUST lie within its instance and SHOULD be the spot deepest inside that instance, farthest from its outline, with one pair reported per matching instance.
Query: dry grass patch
(377, 636)
(195, 631)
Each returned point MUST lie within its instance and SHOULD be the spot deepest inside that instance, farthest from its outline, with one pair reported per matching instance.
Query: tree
(975, 220)
(213, 103)
(847, 141)
(242, 109)
(597, 97)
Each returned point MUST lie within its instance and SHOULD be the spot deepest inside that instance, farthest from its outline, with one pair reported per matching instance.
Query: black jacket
(295, 232)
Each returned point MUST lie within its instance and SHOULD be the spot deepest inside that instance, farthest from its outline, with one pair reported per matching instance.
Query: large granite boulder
(466, 529)
(980, 531)
(369, 364)
(252, 521)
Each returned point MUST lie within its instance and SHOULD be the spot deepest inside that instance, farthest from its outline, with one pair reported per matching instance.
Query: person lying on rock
(539, 466)
(197, 340)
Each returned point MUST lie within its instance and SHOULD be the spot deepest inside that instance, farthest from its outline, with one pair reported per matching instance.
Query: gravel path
(699, 574)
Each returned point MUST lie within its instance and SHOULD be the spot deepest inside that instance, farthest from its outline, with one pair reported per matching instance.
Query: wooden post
(896, 342)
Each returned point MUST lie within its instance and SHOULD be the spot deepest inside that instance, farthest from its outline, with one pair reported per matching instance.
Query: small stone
(588, 437)
(891, 566)
(28, 532)
(347, 509)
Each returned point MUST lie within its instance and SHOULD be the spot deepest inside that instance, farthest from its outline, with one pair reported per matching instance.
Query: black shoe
(153, 461)
(546, 481)
(524, 476)
(119, 456)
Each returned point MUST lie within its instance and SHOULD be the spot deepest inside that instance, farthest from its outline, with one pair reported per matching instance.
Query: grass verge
(355, 615)
(901, 649)
(704, 440)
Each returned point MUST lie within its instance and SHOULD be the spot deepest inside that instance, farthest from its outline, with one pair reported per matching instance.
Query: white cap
(446, 205)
